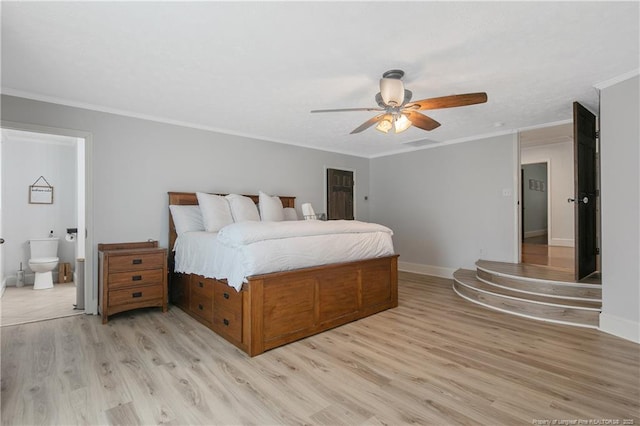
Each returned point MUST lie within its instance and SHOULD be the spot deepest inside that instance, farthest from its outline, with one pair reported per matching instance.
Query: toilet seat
(43, 260)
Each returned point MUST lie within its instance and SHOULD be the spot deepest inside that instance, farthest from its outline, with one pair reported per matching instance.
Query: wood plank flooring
(436, 359)
(536, 251)
(20, 305)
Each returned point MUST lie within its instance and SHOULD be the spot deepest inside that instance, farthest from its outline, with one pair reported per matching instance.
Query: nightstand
(131, 276)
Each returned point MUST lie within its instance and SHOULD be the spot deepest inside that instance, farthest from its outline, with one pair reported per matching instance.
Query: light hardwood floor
(20, 305)
(436, 359)
(537, 253)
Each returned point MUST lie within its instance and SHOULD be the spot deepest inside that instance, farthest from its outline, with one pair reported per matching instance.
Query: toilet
(44, 252)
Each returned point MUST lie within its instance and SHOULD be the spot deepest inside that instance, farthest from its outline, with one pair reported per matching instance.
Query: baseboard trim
(562, 242)
(620, 327)
(535, 233)
(419, 268)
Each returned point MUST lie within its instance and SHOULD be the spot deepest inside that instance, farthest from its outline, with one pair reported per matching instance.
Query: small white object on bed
(216, 212)
(186, 218)
(290, 213)
(242, 208)
(271, 209)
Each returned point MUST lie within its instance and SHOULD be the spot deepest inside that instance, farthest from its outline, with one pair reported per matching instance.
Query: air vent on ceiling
(420, 143)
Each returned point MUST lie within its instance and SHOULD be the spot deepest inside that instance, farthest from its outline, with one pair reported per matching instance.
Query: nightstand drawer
(136, 262)
(135, 278)
(136, 295)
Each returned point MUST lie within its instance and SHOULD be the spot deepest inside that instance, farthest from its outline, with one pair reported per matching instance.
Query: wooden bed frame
(278, 308)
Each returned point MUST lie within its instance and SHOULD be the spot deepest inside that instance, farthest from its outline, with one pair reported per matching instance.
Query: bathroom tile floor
(23, 305)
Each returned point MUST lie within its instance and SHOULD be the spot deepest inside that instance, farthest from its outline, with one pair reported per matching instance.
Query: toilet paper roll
(70, 238)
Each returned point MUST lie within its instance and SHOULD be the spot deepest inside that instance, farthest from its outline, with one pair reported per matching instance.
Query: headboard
(190, 199)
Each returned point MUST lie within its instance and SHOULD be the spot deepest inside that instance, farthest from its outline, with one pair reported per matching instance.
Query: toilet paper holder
(71, 235)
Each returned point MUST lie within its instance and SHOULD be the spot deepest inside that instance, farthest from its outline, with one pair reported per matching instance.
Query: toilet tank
(43, 247)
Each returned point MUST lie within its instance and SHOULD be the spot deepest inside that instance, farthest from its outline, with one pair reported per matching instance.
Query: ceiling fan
(400, 113)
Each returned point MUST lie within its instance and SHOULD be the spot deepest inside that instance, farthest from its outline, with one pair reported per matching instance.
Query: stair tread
(542, 287)
(468, 277)
(533, 272)
(523, 308)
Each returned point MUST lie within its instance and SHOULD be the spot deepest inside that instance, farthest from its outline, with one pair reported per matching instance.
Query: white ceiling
(257, 69)
(546, 135)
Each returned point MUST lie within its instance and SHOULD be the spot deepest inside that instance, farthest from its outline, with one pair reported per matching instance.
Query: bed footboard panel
(298, 305)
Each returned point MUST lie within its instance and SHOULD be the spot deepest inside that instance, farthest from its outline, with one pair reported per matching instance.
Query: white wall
(560, 158)
(136, 162)
(24, 160)
(446, 204)
(620, 191)
(535, 199)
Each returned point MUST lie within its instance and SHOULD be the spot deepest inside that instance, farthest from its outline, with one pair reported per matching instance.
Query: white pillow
(242, 208)
(290, 213)
(271, 209)
(186, 218)
(216, 212)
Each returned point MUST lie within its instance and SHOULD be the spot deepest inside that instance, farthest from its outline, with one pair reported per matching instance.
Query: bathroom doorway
(535, 203)
(58, 160)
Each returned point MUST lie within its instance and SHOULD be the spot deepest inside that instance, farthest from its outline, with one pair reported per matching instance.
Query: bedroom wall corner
(450, 205)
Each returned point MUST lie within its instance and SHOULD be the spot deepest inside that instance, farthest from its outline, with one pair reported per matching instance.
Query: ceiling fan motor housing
(397, 74)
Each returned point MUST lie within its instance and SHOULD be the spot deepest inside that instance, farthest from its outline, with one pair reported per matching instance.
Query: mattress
(244, 249)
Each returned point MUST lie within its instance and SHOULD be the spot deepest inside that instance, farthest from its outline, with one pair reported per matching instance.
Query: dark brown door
(339, 194)
(584, 151)
(522, 204)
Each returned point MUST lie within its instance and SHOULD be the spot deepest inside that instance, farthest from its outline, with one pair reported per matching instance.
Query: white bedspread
(239, 234)
(244, 249)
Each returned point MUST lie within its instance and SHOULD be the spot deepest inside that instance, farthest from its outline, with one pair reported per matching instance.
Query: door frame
(90, 289)
(326, 192)
(517, 175)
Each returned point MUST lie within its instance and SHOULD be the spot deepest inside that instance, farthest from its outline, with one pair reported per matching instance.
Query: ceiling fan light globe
(384, 125)
(402, 123)
(392, 91)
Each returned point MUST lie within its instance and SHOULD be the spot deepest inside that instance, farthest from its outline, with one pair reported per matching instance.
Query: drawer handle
(200, 307)
(226, 295)
(200, 284)
(137, 294)
(136, 261)
(225, 321)
(136, 278)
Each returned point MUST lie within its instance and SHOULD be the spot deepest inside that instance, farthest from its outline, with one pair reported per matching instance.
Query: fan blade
(448, 101)
(367, 124)
(422, 121)
(347, 109)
